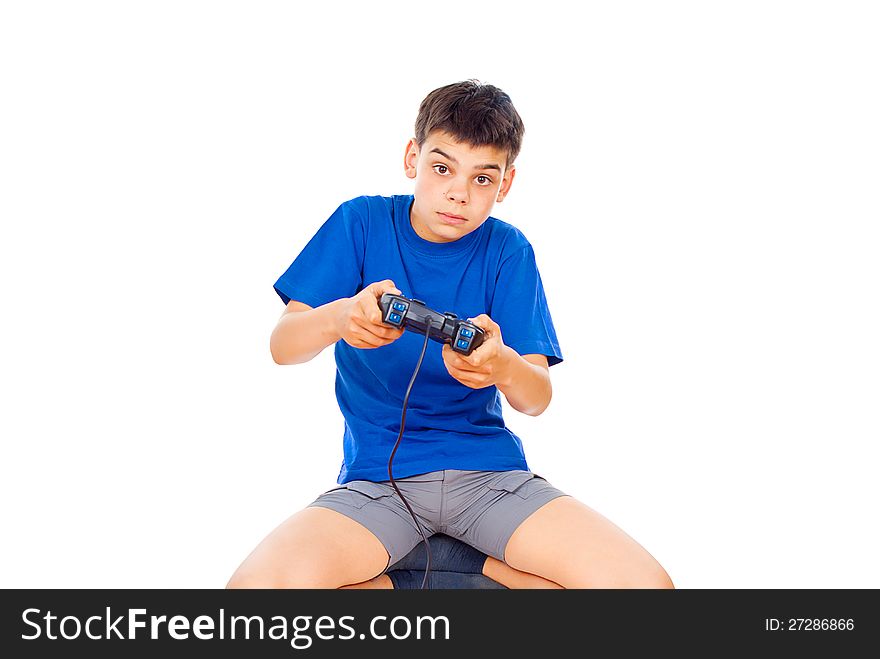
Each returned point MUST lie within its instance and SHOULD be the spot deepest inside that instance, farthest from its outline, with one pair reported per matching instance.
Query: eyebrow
(488, 165)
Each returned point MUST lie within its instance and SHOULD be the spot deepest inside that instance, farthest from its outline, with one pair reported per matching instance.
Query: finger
(489, 326)
(459, 361)
(457, 373)
(366, 340)
(466, 378)
(451, 357)
(475, 360)
(374, 334)
(377, 327)
(377, 289)
(376, 342)
(467, 362)
(465, 365)
(378, 330)
(369, 310)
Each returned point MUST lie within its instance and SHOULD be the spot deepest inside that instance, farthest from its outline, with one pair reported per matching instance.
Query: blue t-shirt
(448, 425)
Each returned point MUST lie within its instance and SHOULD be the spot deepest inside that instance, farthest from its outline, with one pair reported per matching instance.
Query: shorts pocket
(514, 482)
(365, 491)
(334, 489)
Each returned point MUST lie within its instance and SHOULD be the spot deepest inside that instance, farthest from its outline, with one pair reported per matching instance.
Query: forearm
(300, 335)
(525, 385)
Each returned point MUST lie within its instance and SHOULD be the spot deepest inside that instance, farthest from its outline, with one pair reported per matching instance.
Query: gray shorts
(481, 508)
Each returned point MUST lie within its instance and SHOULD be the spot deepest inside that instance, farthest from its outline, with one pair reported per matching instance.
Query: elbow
(273, 350)
(277, 355)
(545, 403)
(283, 358)
(538, 409)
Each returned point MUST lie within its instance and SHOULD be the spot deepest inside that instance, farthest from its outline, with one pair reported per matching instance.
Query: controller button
(400, 306)
(394, 317)
(463, 344)
(466, 332)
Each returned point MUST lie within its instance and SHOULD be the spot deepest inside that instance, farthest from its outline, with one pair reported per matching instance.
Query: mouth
(451, 219)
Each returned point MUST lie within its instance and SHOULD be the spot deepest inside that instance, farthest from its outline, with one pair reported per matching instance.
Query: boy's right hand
(359, 322)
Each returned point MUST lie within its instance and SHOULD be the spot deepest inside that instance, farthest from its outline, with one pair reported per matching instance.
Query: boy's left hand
(485, 366)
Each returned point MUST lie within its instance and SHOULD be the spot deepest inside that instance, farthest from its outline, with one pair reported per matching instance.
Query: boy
(458, 465)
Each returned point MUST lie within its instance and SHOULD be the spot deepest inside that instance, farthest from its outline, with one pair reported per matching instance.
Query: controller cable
(394, 450)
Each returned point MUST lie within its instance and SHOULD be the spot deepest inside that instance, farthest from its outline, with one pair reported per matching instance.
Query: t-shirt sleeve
(519, 306)
(330, 266)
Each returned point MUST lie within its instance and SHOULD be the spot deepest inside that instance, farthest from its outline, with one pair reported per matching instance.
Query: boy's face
(454, 179)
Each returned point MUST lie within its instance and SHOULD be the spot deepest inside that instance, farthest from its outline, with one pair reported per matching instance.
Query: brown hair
(474, 113)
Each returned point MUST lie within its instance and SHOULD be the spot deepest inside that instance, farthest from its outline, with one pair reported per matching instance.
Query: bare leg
(314, 548)
(576, 547)
(515, 579)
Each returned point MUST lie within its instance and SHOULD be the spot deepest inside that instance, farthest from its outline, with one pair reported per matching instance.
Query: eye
(486, 180)
(438, 167)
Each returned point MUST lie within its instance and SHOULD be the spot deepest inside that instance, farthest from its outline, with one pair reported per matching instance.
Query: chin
(448, 236)
(454, 232)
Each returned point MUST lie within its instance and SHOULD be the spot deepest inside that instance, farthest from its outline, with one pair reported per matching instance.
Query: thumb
(384, 286)
(485, 323)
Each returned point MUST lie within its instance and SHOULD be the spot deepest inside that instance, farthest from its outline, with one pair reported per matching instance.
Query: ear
(506, 182)
(410, 158)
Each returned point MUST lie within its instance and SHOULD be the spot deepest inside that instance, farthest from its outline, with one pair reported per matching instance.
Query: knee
(240, 581)
(654, 578)
(658, 579)
(649, 577)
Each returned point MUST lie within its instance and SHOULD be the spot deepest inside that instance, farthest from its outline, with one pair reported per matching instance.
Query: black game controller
(414, 315)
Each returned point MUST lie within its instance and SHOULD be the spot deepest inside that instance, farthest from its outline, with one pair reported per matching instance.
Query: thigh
(485, 508)
(378, 508)
(572, 544)
(314, 548)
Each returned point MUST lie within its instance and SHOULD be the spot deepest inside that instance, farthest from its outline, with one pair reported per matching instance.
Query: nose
(457, 192)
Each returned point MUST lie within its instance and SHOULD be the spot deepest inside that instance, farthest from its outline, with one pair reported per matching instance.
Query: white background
(699, 181)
